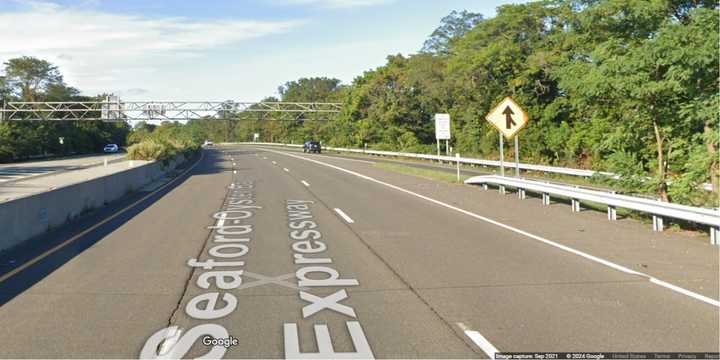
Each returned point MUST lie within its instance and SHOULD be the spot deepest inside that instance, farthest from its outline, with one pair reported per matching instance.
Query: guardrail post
(501, 189)
(521, 194)
(612, 213)
(457, 157)
(657, 223)
(546, 199)
(575, 205)
(715, 235)
(485, 187)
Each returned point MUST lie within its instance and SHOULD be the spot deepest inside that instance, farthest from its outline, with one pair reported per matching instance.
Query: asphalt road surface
(278, 254)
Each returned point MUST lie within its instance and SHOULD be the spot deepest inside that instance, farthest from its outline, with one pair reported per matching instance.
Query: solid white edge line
(684, 291)
(305, 183)
(344, 216)
(342, 158)
(480, 341)
(596, 259)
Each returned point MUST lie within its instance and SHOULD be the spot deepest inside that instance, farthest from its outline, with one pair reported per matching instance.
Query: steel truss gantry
(112, 109)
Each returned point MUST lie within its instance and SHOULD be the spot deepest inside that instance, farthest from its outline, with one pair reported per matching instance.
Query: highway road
(282, 254)
(13, 172)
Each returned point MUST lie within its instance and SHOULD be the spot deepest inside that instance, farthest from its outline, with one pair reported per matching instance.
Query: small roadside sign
(110, 109)
(442, 126)
(508, 117)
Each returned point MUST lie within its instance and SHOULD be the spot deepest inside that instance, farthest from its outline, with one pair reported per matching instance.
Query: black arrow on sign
(509, 122)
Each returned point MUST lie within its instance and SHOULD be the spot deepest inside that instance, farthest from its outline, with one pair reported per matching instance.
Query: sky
(216, 50)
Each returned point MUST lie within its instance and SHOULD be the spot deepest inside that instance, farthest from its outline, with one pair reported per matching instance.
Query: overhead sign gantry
(113, 109)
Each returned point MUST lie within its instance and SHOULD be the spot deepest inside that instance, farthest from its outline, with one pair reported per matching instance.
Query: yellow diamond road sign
(508, 117)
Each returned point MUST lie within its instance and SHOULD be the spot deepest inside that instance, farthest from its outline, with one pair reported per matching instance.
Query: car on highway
(312, 146)
(208, 143)
(111, 148)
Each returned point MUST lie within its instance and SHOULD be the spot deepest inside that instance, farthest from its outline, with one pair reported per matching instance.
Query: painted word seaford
(230, 238)
(308, 253)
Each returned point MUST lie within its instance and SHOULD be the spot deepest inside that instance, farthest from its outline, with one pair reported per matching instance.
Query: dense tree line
(629, 87)
(624, 86)
(32, 79)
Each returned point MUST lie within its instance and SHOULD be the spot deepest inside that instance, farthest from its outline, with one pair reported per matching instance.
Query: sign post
(509, 118)
(517, 155)
(502, 156)
(442, 132)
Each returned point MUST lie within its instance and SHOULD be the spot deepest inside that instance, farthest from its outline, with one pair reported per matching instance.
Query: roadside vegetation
(32, 79)
(163, 142)
(628, 87)
(431, 174)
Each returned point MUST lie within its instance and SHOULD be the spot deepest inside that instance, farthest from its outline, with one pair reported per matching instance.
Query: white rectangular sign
(442, 126)
(110, 109)
(154, 110)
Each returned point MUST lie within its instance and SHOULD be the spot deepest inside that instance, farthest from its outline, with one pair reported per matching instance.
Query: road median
(28, 216)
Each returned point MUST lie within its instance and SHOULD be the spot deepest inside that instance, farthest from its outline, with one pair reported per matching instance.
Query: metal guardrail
(657, 209)
(473, 161)
(462, 160)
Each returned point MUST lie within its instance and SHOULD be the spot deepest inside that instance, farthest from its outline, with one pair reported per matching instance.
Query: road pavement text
(231, 236)
(309, 255)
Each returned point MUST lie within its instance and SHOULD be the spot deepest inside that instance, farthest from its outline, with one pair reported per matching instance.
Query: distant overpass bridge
(113, 109)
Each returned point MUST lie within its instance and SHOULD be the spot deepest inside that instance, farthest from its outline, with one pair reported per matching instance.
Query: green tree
(27, 77)
(452, 27)
(32, 79)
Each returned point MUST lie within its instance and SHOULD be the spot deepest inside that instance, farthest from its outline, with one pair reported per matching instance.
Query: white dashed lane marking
(479, 340)
(305, 183)
(344, 216)
(585, 255)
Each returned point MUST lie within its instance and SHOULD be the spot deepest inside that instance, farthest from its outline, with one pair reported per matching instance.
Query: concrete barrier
(29, 216)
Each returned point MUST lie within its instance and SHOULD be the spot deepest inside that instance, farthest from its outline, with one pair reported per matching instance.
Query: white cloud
(334, 4)
(96, 49)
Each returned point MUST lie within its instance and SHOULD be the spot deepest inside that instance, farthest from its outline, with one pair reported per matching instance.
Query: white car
(208, 143)
(111, 148)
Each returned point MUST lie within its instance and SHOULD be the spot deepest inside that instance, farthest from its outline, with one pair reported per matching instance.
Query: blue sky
(216, 49)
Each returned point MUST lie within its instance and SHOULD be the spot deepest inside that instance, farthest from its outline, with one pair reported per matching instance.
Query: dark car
(312, 146)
